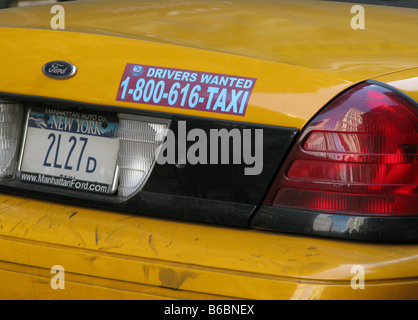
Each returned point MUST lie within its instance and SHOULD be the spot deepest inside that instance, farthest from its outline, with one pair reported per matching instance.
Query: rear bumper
(118, 256)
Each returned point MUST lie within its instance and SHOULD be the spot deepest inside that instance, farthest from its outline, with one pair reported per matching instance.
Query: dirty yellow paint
(118, 256)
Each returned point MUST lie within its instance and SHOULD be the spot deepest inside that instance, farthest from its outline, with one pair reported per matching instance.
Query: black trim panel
(344, 226)
(215, 193)
(224, 182)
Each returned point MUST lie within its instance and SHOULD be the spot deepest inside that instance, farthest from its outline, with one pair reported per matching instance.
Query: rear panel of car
(153, 243)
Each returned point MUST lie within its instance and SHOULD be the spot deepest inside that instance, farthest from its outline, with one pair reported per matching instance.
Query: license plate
(70, 149)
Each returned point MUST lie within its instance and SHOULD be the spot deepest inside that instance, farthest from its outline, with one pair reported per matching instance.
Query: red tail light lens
(358, 156)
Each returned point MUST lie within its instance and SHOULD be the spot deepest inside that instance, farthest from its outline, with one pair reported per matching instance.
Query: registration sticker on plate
(71, 149)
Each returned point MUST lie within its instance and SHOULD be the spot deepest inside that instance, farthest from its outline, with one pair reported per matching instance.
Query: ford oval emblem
(59, 70)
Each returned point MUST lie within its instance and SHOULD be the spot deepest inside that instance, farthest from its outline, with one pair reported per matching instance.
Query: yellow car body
(302, 53)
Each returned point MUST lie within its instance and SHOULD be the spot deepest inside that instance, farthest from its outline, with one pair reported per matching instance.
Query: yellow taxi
(209, 150)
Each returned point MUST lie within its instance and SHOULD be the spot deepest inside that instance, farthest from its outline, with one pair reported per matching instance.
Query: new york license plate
(70, 149)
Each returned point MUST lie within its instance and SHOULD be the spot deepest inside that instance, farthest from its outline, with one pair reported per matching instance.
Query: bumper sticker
(185, 89)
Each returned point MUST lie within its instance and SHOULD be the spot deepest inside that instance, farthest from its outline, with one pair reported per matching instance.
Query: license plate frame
(71, 149)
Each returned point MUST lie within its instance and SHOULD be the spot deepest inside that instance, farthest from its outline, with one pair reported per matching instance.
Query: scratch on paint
(105, 248)
(79, 237)
(172, 279)
(73, 214)
(109, 236)
(151, 244)
(16, 225)
(11, 206)
(96, 236)
(40, 219)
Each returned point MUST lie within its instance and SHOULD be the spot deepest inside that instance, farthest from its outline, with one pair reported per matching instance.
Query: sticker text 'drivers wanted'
(185, 89)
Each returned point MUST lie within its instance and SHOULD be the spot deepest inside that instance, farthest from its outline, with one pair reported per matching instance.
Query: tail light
(11, 117)
(139, 139)
(358, 157)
